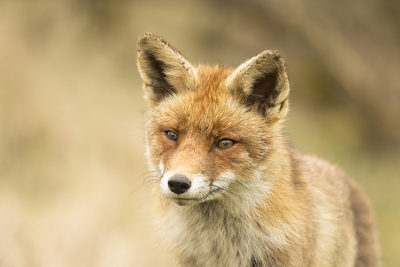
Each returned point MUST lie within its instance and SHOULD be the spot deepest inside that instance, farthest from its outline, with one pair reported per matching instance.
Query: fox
(231, 190)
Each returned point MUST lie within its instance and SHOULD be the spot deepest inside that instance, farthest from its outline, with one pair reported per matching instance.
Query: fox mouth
(183, 201)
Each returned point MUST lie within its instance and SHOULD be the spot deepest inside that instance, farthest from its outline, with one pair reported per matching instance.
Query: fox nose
(179, 184)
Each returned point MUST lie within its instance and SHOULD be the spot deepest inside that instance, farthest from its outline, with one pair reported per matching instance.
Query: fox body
(232, 192)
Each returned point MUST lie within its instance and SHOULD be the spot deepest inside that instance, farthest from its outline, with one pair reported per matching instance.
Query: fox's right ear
(163, 69)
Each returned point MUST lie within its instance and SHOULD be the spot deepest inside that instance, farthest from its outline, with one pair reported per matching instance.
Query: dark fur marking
(161, 87)
(259, 226)
(255, 262)
(264, 93)
(265, 87)
(283, 103)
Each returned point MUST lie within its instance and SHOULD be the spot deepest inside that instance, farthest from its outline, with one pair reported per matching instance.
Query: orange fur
(259, 202)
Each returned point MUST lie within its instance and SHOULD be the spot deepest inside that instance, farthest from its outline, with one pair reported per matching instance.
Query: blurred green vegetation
(71, 112)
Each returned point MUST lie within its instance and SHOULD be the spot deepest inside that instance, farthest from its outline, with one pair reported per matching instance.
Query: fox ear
(163, 69)
(262, 84)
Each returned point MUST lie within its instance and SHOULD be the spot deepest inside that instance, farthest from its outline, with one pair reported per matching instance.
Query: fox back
(231, 191)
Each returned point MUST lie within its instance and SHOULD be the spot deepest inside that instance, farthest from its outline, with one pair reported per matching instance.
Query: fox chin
(232, 191)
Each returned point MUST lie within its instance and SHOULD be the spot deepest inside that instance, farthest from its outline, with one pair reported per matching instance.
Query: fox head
(210, 131)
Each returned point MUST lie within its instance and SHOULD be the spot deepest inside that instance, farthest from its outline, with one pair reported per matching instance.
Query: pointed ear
(262, 84)
(163, 69)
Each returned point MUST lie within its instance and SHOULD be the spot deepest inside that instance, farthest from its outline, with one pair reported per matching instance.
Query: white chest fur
(210, 235)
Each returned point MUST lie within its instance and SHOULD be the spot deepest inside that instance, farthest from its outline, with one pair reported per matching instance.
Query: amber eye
(171, 135)
(224, 144)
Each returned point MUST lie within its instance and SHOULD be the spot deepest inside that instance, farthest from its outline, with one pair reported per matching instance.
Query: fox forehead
(209, 109)
(211, 80)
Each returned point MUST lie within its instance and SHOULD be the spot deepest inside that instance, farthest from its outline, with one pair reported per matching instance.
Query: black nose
(179, 184)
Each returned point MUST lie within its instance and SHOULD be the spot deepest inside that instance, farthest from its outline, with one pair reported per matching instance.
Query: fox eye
(171, 135)
(224, 144)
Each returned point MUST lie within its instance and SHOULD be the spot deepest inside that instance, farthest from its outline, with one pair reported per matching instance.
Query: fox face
(209, 130)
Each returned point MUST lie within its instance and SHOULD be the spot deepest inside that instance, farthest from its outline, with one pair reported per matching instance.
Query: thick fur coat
(232, 192)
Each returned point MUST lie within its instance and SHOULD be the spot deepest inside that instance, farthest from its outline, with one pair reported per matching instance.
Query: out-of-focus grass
(72, 167)
(71, 150)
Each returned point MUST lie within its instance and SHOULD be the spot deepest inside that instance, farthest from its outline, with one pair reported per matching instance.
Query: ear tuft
(163, 69)
(261, 83)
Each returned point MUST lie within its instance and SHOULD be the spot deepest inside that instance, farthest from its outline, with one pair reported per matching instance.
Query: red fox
(232, 191)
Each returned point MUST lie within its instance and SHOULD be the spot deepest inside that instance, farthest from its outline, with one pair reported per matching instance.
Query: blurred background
(72, 166)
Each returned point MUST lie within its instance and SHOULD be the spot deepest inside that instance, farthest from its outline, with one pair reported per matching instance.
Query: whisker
(150, 179)
(141, 181)
(215, 188)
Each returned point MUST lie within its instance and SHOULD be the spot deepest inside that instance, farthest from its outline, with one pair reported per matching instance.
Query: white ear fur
(163, 69)
(262, 83)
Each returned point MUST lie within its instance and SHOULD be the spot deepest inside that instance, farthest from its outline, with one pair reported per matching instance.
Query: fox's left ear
(262, 84)
(163, 69)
